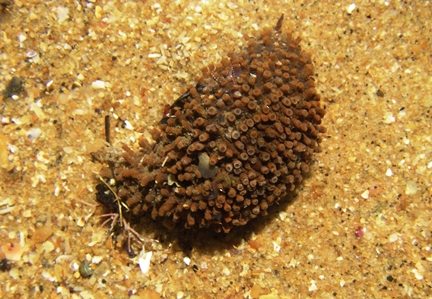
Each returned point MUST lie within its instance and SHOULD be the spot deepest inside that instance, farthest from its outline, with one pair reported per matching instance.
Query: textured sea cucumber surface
(232, 145)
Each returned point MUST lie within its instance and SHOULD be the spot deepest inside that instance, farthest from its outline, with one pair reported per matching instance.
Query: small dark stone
(5, 265)
(195, 268)
(14, 87)
(390, 278)
(85, 270)
(379, 93)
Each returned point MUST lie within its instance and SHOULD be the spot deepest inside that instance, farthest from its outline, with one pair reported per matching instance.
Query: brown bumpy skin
(231, 146)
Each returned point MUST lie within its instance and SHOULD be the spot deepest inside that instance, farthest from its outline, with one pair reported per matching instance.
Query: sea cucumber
(256, 118)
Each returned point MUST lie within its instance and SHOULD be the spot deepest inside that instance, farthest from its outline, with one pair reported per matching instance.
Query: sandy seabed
(358, 227)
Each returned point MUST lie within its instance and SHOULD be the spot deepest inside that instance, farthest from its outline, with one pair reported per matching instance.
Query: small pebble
(33, 134)
(389, 118)
(48, 246)
(393, 237)
(85, 270)
(12, 251)
(31, 53)
(276, 247)
(360, 232)
(13, 88)
(365, 194)
(96, 259)
(379, 93)
(350, 8)
(187, 261)
(62, 13)
(313, 286)
(98, 84)
(411, 188)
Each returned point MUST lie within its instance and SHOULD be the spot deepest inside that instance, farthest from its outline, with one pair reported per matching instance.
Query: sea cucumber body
(255, 118)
